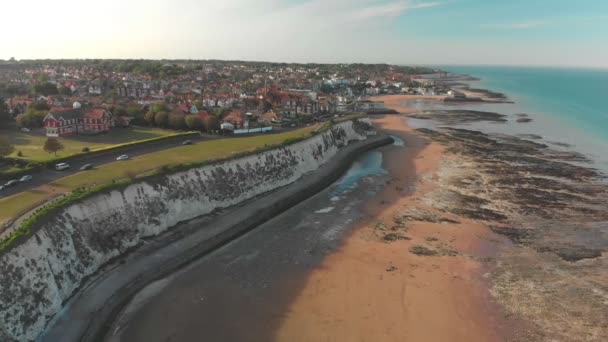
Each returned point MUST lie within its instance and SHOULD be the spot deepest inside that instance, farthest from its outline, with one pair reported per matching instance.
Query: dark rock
(517, 235)
(422, 251)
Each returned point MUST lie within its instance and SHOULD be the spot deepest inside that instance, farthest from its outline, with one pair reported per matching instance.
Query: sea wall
(38, 275)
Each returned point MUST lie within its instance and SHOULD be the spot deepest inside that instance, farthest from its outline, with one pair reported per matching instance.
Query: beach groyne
(42, 272)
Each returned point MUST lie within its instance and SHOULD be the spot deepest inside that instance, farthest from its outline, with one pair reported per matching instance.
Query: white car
(123, 157)
(25, 129)
(25, 178)
(62, 166)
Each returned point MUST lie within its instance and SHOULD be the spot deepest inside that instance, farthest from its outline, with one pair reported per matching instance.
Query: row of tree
(177, 121)
(6, 119)
(33, 116)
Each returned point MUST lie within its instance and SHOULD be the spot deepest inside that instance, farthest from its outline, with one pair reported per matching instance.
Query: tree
(211, 123)
(160, 107)
(150, 117)
(22, 120)
(65, 91)
(176, 121)
(42, 77)
(221, 112)
(193, 122)
(46, 89)
(5, 116)
(161, 119)
(6, 147)
(52, 145)
(32, 118)
(40, 105)
(134, 111)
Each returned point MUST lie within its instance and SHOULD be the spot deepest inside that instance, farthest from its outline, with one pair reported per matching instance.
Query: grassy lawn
(30, 144)
(197, 153)
(18, 203)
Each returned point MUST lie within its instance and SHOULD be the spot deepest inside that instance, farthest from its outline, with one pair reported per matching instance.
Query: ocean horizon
(567, 104)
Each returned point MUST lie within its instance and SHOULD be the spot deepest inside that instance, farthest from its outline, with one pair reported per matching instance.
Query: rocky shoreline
(551, 206)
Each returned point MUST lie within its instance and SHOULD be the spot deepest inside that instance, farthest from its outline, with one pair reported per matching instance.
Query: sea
(568, 105)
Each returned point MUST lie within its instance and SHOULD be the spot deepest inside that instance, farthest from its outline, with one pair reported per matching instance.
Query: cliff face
(37, 276)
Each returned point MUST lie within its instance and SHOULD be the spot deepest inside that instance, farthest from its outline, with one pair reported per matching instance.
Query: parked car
(25, 129)
(25, 178)
(11, 183)
(86, 167)
(1, 187)
(123, 157)
(62, 166)
(187, 142)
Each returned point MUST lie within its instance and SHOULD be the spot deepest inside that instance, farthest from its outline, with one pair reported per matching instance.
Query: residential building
(61, 122)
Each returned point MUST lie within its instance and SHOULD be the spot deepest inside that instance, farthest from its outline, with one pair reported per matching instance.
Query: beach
(374, 289)
(462, 236)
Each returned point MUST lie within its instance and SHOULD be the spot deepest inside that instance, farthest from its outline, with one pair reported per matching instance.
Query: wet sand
(468, 236)
(396, 101)
(291, 280)
(374, 290)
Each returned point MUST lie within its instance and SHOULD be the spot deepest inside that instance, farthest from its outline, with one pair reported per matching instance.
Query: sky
(425, 32)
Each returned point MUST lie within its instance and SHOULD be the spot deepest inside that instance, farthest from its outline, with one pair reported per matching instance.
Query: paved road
(46, 176)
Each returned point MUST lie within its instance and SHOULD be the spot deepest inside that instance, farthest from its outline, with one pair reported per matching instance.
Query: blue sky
(518, 32)
(511, 21)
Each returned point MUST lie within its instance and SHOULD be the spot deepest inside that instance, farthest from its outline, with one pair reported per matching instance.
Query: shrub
(19, 154)
(86, 149)
(131, 174)
(176, 121)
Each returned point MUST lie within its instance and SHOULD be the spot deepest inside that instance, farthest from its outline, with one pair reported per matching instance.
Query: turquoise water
(369, 164)
(577, 98)
(566, 105)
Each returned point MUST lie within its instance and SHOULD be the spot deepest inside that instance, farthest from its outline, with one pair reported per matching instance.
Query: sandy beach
(513, 244)
(464, 236)
(372, 289)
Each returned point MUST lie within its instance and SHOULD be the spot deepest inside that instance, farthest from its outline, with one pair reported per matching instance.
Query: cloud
(514, 26)
(426, 5)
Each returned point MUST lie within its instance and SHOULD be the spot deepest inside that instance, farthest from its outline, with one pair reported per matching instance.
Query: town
(89, 97)
(58, 117)
(49, 107)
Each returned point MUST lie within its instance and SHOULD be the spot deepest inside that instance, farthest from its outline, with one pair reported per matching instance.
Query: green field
(190, 154)
(20, 203)
(30, 143)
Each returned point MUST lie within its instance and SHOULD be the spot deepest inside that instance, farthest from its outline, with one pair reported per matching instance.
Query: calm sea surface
(568, 105)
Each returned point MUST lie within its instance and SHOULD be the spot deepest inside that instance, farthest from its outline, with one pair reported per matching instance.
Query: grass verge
(172, 159)
(30, 144)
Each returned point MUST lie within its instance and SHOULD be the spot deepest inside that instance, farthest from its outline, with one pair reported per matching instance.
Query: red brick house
(234, 118)
(61, 122)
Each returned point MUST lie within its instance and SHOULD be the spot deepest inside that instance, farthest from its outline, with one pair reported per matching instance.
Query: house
(95, 88)
(61, 122)
(269, 118)
(234, 118)
(291, 105)
(310, 107)
(367, 106)
(327, 105)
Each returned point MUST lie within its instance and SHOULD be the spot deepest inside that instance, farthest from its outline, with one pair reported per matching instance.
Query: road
(47, 176)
